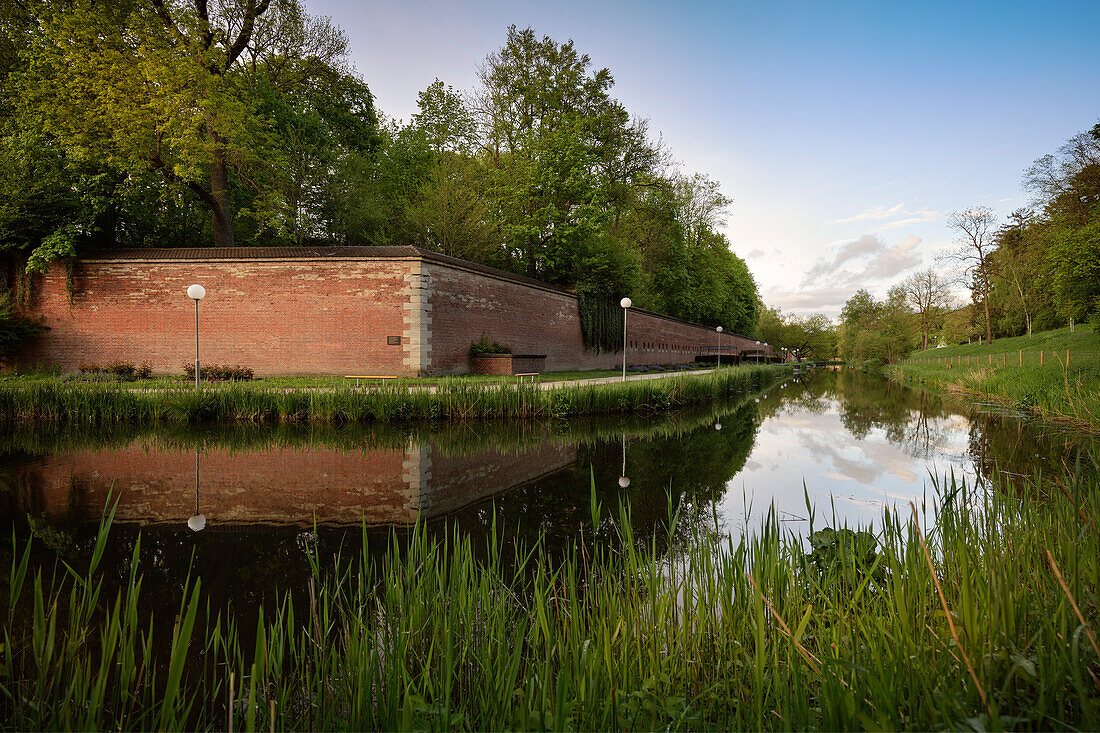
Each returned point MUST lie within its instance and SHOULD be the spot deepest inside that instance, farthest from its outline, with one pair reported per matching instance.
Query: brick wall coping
(306, 254)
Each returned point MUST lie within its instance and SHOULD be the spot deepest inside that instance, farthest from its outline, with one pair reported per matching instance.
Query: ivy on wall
(601, 322)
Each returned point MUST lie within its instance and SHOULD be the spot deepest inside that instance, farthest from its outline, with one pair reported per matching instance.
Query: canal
(240, 505)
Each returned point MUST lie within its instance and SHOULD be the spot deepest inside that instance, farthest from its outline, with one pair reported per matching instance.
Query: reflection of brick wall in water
(270, 485)
(457, 481)
(276, 485)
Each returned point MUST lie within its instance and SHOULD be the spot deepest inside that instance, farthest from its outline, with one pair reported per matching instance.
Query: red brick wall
(466, 305)
(276, 316)
(328, 315)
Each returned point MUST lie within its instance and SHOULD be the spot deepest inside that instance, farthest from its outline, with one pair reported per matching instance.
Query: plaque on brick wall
(393, 340)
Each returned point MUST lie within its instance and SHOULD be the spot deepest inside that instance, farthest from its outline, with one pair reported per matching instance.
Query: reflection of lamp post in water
(623, 480)
(197, 523)
(718, 425)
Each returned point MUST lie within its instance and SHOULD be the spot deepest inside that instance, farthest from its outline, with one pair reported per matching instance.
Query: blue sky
(844, 132)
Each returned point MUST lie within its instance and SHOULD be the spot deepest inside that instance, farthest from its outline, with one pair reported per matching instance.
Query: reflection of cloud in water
(849, 477)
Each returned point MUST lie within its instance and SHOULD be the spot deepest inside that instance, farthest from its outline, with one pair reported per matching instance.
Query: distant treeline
(177, 123)
(1038, 270)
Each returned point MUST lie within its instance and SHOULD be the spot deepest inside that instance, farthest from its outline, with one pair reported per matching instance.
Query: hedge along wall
(334, 310)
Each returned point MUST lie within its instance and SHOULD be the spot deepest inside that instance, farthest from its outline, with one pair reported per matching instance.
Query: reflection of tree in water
(1005, 447)
(868, 402)
(692, 468)
(808, 393)
(918, 422)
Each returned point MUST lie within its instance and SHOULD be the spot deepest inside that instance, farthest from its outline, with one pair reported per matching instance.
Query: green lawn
(1026, 373)
(313, 381)
(1084, 340)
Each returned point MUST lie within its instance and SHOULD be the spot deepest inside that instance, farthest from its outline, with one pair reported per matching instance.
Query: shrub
(121, 369)
(145, 370)
(220, 373)
(484, 346)
(14, 328)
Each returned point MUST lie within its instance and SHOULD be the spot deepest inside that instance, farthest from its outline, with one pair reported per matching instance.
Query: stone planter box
(507, 363)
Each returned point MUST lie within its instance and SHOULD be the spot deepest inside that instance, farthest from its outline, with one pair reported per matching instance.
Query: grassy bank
(38, 375)
(55, 402)
(1030, 374)
(985, 619)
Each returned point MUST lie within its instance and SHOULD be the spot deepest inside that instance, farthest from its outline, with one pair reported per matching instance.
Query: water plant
(984, 616)
(46, 402)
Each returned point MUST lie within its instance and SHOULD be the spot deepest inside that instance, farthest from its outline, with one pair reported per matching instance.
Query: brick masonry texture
(283, 312)
(469, 304)
(276, 316)
(155, 482)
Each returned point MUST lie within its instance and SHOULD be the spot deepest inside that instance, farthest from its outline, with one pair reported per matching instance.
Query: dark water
(849, 441)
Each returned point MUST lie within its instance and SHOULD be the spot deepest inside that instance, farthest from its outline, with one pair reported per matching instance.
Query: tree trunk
(988, 326)
(221, 209)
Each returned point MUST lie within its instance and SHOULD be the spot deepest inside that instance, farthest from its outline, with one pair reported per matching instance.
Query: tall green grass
(983, 616)
(1055, 390)
(455, 399)
(456, 437)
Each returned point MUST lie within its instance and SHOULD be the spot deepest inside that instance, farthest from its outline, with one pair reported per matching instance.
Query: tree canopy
(1039, 269)
(241, 122)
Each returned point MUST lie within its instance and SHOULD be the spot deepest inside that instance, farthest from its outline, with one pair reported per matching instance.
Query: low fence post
(1040, 357)
(1021, 357)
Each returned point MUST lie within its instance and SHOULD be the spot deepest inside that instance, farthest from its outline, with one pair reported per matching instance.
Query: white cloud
(885, 213)
(919, 217)
(895, 260)
(875, 213)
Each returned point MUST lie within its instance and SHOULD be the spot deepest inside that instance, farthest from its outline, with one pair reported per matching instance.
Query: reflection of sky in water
(852, 477)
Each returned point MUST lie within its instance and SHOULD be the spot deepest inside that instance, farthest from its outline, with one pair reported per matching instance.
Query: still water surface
(850, 442)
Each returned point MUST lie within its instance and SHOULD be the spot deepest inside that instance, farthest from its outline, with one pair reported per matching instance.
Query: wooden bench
(357, 377)
(533, 375)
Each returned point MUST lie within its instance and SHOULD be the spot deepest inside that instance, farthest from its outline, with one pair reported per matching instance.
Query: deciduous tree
(173, 86)
(928, 294)
(975, 230)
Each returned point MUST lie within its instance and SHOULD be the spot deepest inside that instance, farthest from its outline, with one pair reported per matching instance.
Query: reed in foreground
(983, 617)
(68, 403)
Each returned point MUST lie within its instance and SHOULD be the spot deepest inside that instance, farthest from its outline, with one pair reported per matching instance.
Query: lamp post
(196, 293)
(719, 330)
(625, 303)
(757, 354)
